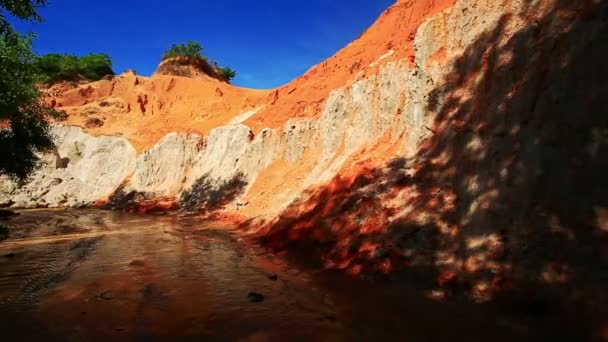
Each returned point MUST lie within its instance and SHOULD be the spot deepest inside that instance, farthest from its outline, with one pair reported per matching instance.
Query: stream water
(96, 275)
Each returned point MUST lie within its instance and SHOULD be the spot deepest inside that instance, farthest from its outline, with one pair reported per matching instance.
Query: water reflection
(92, 275)
(95, 273)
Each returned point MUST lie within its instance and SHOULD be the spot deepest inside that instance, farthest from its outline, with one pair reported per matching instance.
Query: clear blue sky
(268, 42)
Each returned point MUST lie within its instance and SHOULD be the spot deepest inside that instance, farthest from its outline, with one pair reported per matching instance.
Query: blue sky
(268, 42)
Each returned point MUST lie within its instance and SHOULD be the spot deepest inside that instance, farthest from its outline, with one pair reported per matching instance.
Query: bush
(95, 66)
(188, 49)
(194, 50)
(56, 67)
(227, 73)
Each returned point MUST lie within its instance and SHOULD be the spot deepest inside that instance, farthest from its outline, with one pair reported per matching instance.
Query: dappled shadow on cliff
(520, 146)
(123, 199)
(207, 195)
(204, 196)
(509, 197)
(139, 202)
(351, 225)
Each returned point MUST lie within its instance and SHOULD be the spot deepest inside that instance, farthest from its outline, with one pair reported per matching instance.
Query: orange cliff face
(145, 109)
(389, 39)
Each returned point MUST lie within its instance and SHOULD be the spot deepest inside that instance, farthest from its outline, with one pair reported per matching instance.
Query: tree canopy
(55, 67)
(188, 49)
(24, 120)
(21, 9)
(227, 73)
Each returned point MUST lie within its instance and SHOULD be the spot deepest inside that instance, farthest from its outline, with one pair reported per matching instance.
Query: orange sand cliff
(145, 109)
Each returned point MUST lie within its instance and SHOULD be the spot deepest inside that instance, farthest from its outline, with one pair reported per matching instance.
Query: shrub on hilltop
(188, 49)
(195, 50)
(227, 73)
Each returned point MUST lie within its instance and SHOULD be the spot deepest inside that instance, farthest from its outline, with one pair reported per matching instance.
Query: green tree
(227, 73)
(95, 66)
(21, 9)
(188, 49)
(194, 50)
(24, 125)
(55, 67)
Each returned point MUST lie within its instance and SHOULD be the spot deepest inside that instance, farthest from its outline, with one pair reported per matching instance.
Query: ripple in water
(92, 275)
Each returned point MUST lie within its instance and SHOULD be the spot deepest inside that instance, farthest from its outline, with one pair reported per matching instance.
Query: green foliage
(188, 49)
(55, 67)
(96, 66)
(227, 73)
(194, 49)
(24, 126)
(21, 9)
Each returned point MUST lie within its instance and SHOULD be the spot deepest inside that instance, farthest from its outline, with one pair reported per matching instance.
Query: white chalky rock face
(161, 170)
(84, 169)
(7, 190)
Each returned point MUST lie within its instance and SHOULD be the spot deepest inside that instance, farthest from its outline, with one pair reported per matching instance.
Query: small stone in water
(329, 317)
(255, 297)
(137, 263)
(106, 295)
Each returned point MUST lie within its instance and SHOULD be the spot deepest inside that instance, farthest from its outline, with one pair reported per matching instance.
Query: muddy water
(95, 275)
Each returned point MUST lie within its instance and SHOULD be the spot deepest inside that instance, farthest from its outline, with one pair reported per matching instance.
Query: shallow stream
(96, 275)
